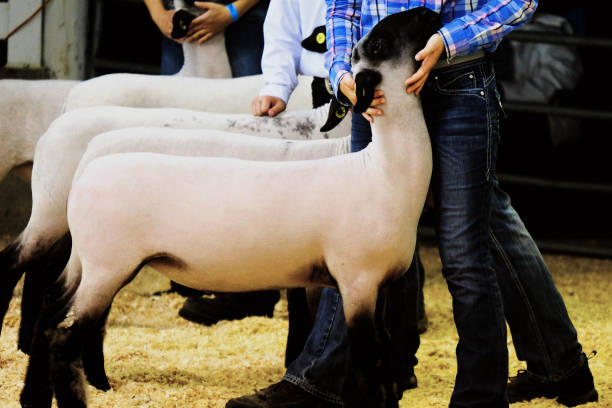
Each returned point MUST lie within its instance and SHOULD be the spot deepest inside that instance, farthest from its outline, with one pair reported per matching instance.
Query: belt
(459, 60)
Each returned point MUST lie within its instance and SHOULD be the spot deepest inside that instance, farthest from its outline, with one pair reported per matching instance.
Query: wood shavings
(156, 359)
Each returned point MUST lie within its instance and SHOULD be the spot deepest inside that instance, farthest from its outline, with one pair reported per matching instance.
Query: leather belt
(459, 60)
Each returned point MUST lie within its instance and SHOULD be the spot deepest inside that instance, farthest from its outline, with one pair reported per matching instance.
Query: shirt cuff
(279, 91)
(336, 73)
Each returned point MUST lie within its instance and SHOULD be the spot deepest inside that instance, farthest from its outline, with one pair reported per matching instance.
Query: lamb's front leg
(370, 382)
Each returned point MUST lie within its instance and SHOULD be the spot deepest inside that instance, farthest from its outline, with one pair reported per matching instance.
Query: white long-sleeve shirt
(287, 23)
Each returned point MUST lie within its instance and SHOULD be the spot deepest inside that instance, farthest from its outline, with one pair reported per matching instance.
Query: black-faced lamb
(61, 147)
(348, 222)
(27, 109)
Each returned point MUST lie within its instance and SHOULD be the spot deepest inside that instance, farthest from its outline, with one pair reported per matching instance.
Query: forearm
(340, 40)
(282, 49)
(156, 8)
(242, 6)
(160, 16)
(485, 27)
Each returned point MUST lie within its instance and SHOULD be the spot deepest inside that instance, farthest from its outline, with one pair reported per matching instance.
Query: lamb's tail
(10, 272)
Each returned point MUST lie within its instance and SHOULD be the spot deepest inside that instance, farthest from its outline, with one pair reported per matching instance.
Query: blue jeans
(322, 366)
(243, 42)
(492, 266)
(171, 56)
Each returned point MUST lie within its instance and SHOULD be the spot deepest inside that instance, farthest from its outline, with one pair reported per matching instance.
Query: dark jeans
(490, 261)
(322, 366)
(243, 42)
(171, 56)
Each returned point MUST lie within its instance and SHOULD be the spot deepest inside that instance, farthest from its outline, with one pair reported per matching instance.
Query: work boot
(209, 310)
(575, 390)
(280, 395)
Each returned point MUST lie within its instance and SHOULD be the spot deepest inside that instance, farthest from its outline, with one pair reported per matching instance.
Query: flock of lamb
(127, 169)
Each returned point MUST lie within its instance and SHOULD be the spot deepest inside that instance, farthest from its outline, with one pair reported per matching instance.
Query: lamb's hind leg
(11, 273)
(37, 391)
(371, 384)
(40, 275)
(15, 259)
(82, 323)
(93, 356)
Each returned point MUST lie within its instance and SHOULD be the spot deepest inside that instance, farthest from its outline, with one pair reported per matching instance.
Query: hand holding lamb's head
(186, 12)
(387, 52)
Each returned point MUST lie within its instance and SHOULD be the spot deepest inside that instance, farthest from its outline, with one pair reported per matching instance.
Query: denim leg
(321, 367)
(244, 41)
(461, 111)
(542, 331)
(171, 56)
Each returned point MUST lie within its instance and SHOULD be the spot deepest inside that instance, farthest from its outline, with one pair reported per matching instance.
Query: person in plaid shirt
(493, 268)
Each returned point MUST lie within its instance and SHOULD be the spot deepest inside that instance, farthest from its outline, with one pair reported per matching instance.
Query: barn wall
(55, 40)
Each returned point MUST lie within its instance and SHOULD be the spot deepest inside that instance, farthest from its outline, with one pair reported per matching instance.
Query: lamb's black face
(397, 35)
(395, 40)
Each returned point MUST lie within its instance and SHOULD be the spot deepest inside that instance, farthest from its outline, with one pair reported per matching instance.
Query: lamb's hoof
(35, 400)
(102, 384)
(99, 381)
(24, 346)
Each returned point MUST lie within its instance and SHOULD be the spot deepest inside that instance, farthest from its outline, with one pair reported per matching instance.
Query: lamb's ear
(365, 84)
(336, 113)
(3, 52)
(317, 41)
(180, 23)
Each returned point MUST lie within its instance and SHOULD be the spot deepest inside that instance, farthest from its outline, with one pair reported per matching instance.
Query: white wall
(55, 39)
(24, 48)
(4, 19)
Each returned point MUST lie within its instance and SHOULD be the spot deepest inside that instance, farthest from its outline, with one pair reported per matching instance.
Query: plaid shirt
(468, 25)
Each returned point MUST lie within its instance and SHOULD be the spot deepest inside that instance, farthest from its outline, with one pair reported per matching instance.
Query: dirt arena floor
(156, 359)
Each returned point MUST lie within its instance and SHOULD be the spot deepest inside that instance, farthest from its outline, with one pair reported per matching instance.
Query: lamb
(27, 109)
(189, 89)
(207, 60)
(60, 149)
(232, 95)
(259, 225)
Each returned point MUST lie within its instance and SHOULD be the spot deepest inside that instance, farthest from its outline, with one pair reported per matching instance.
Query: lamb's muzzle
(259, 225)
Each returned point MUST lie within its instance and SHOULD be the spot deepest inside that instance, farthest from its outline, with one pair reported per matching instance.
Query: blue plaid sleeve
(343, 28)
(485, 27)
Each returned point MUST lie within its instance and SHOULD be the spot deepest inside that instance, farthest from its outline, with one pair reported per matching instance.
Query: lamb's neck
(401, 129)
(208, 60)
(401, 149)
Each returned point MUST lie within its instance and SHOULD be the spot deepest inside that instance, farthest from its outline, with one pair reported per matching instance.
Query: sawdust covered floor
(156, 359)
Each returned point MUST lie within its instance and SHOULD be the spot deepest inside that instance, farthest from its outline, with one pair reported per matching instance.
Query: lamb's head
(188, 5)
(386, 54)
(186, 11)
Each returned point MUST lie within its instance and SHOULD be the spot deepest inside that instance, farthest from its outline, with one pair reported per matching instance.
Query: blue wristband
(233, 12)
